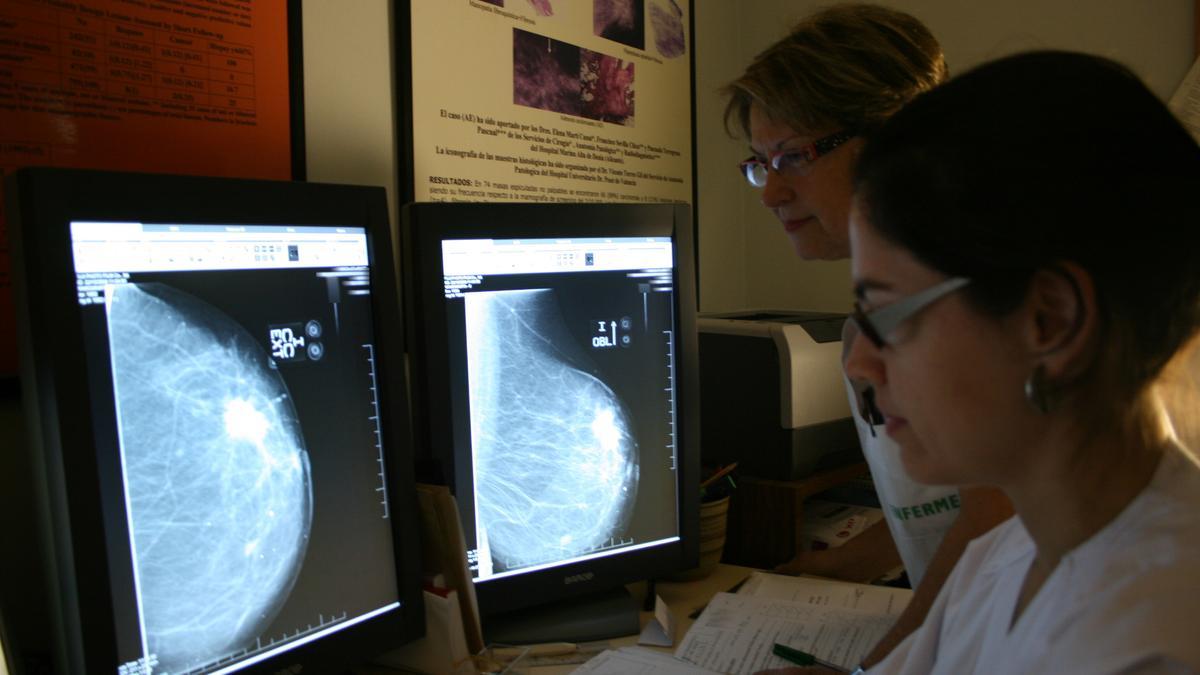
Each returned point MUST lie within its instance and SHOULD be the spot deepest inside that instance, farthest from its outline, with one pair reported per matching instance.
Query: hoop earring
(1036, 390)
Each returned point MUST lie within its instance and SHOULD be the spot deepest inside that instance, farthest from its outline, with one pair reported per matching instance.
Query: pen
(803, 658)
(713, 478)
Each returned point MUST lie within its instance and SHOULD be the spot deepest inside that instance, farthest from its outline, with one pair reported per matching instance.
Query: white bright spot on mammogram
(243, 422)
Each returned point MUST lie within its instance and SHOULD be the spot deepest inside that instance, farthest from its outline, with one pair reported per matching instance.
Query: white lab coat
(1125, 601)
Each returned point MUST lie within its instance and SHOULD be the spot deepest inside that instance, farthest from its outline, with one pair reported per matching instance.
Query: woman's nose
(863, 361)
(777, 191)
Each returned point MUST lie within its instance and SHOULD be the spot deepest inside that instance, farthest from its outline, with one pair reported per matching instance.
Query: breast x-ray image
(565, 409)
(246, 459)
(217, 474)
(556, 461)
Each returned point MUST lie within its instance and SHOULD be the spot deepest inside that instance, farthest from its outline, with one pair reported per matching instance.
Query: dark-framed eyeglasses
(878, 324)
(791, 161)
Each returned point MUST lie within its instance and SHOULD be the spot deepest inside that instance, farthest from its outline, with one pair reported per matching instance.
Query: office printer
(772, 397)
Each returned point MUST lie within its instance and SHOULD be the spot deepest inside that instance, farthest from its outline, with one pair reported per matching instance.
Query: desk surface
(682, 597)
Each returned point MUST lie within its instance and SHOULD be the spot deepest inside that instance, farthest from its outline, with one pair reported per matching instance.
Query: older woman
(1026, 253)
(806, 104)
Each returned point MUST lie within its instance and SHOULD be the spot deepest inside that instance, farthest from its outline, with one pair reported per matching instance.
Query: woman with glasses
(805, 105)
(1026, 257)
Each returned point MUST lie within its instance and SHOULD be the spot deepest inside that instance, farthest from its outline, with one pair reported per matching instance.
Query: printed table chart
(136, 60)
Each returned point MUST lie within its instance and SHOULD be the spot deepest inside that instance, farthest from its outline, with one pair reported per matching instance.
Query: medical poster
(175, 86)
(551, 100)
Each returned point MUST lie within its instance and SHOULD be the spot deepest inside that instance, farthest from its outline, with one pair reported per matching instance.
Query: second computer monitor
(553, 356)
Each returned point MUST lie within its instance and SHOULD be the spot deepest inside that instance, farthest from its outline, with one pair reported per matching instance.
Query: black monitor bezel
(41, 204)
(424, 225)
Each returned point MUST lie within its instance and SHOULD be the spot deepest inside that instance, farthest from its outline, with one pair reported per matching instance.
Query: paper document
(882, 600)
(659, 631)
(638, 661)
(736, 633)
(1185, 103)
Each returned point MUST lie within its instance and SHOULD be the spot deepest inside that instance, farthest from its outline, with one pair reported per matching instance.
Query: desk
(682, 597)
(765, 516)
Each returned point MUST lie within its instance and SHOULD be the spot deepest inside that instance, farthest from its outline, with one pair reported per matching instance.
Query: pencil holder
(713, 516)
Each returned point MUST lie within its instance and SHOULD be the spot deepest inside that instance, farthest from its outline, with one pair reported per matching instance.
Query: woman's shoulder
(1150, 618)
(992, 555)
(1001, 544)
(1168, 510)
(1141, 586)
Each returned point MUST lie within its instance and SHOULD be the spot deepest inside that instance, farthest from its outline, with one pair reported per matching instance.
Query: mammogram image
(216, 471)
(556, 462)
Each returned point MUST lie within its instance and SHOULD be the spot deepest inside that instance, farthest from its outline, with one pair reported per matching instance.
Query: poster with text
(551, 100)
(172, 86)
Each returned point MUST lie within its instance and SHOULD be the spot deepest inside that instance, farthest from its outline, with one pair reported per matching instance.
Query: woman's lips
(793, 225)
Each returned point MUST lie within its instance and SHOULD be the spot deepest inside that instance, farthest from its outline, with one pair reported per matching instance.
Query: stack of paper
(638, 661)
(835, 621)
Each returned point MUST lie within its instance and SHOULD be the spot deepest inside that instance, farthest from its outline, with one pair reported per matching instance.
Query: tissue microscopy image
(666, 19)
(546, 73)
(556, 460)
(217, 475)
(607, 88)
(542, 7)
(563, 78)
(622, 21)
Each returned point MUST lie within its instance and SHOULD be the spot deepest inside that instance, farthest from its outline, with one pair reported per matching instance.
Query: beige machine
(772, 396)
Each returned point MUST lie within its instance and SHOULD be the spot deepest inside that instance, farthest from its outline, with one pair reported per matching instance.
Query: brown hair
(998, 175)
(849, 66)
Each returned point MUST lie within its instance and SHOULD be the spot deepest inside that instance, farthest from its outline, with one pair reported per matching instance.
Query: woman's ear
(1062, 320)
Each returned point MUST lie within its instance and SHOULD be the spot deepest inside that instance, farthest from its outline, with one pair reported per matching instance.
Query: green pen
(803, 658)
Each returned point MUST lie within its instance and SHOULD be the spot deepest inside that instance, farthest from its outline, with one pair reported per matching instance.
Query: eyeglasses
(793, 161)
(877, 325)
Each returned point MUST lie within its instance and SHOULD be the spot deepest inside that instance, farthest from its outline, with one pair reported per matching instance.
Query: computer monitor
(552, 351)
(218, 424)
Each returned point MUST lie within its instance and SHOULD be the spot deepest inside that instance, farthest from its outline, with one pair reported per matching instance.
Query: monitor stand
(599, 616)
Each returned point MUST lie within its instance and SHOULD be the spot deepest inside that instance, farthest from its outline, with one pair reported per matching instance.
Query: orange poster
(175, 86)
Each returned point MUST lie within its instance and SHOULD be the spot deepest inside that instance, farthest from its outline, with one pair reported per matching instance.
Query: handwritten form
(835, 621)
(737, 632)
(882, 600)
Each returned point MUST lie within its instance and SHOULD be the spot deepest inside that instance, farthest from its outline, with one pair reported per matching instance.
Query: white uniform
(1127, 600)
(917, 515)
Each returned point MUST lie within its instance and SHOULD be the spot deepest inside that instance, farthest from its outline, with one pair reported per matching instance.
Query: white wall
(349, 118)
(744, 253)
(744, 258)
